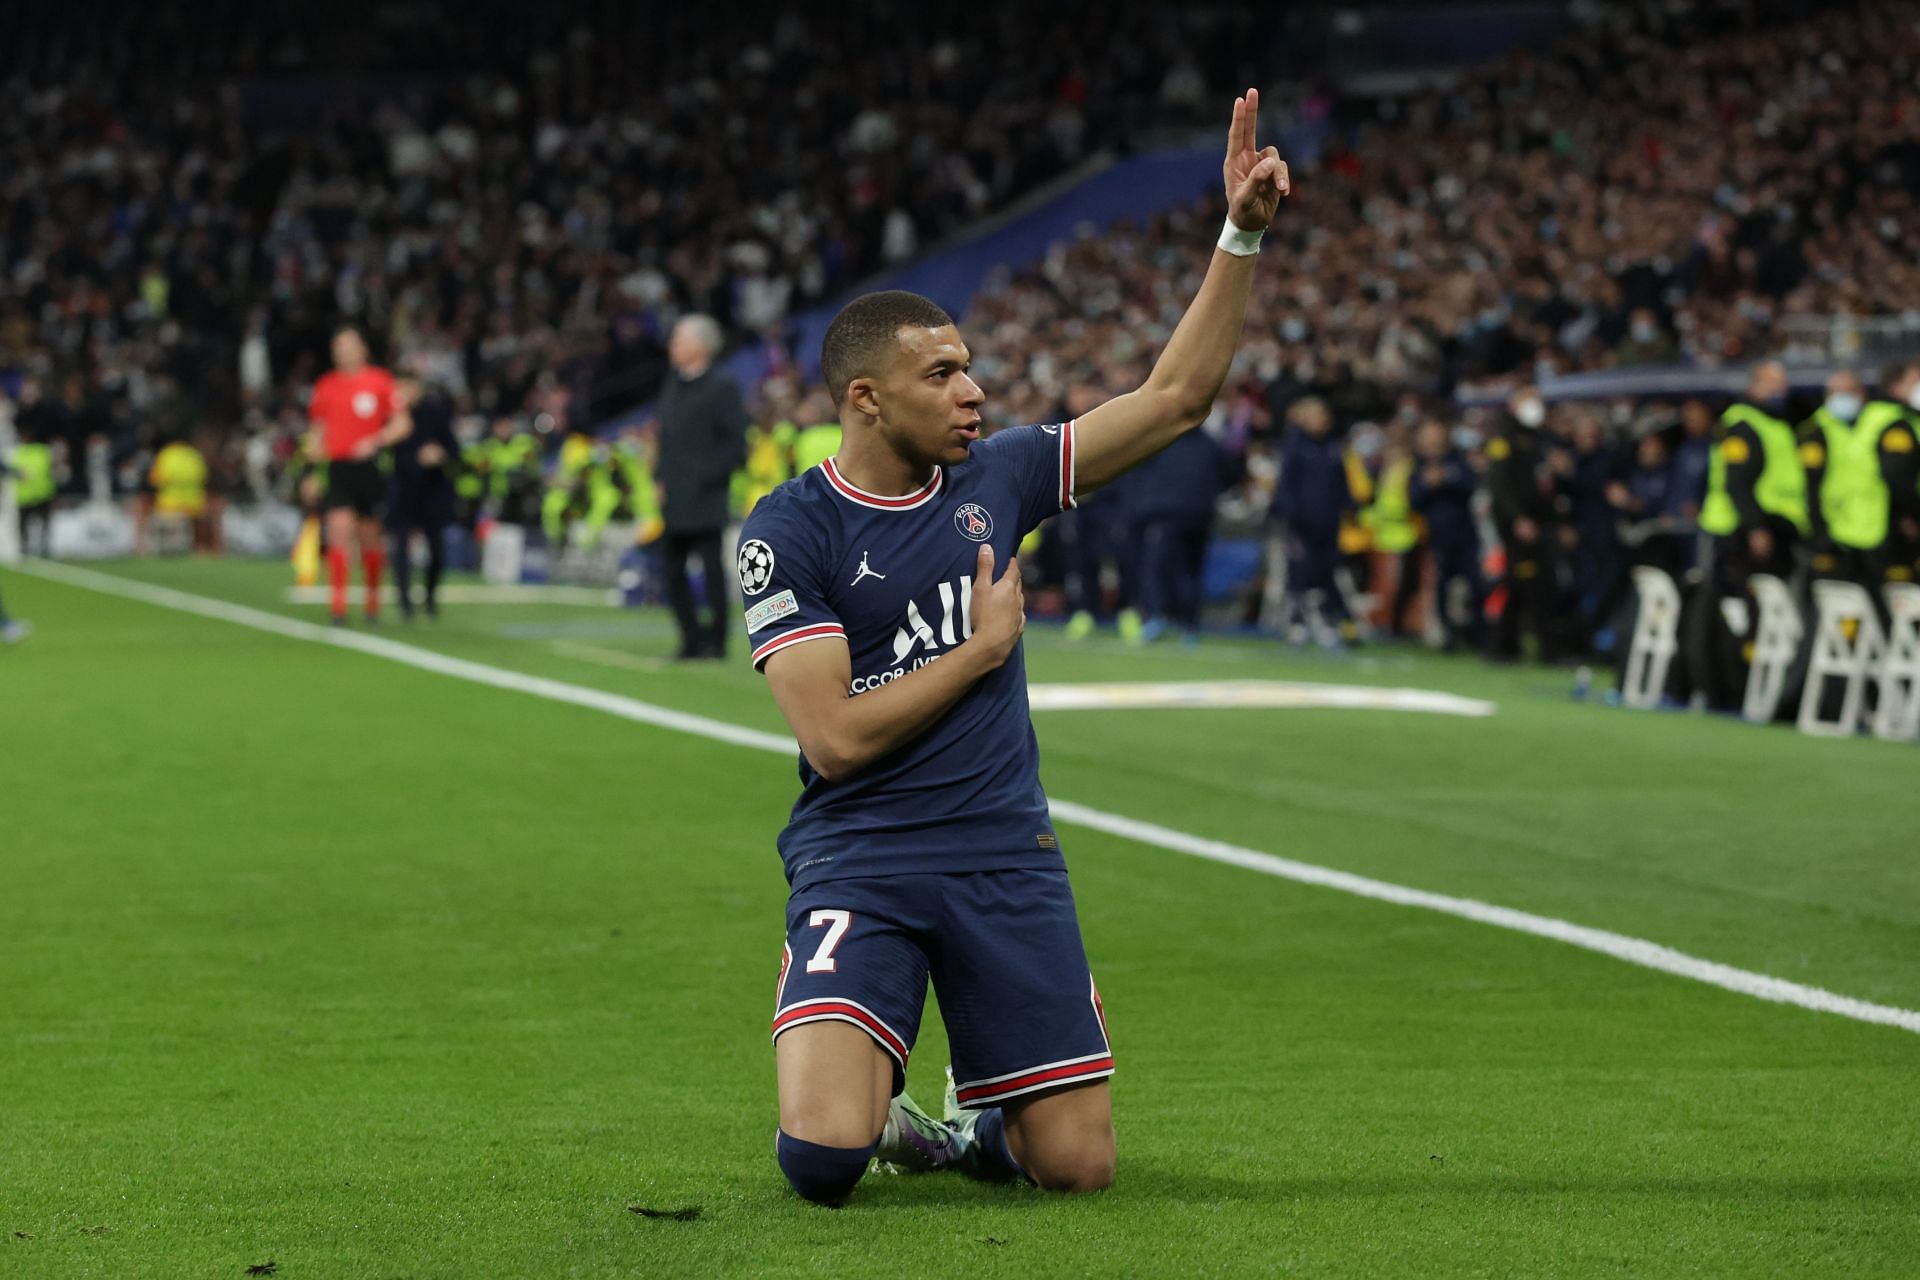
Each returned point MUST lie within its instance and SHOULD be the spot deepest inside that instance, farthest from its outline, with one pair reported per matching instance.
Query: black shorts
(356, 484)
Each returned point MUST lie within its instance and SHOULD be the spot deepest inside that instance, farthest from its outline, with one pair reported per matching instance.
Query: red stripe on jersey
(885, 503)
(818, 631)
(1066, 467)
(1036, 1079)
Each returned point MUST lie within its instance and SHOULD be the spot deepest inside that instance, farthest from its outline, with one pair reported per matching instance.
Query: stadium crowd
(180, 239)
(1662, 186)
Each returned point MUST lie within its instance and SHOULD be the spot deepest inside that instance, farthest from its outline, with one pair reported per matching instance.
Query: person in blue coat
(1308, 500)
(1442, 492)
(1172, 501)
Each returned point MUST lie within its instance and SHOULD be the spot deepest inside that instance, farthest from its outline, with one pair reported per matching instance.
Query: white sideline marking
(1637, 951)
(1216, 694)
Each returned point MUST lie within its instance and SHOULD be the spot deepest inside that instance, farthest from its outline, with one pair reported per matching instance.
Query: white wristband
(1241, 244)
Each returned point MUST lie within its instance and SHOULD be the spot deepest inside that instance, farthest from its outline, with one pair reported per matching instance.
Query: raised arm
(841, 733)
(1179, 392)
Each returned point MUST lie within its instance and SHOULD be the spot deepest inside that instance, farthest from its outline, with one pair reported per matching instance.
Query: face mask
(1846, 408)
(1643, 332)
(1773, 402)
(1531, 413)
(1913, 397)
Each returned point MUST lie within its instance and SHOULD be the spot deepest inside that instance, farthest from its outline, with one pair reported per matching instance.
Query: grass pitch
(313, 959)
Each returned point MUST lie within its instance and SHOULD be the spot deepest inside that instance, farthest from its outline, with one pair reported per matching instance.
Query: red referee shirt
(350, 407)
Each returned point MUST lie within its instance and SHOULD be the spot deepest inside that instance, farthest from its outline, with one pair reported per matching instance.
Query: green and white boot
(913, 1141)
(968, 1157)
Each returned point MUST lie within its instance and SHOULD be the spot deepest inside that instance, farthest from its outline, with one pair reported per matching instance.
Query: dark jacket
(1312, 490)
(1513, 479)
(1586, 491)
(432, 424)
(1182, 480)
(703, 441)
(1445, 501)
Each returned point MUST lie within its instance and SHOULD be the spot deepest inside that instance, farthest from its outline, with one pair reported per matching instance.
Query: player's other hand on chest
(999, 608)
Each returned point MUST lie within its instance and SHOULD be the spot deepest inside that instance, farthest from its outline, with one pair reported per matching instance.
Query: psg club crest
(973, 522)
(756, 566)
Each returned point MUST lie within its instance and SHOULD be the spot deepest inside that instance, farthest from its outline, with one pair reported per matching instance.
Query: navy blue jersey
(821, 559)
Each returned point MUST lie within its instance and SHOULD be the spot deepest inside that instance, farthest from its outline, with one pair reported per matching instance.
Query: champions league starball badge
(756, 566)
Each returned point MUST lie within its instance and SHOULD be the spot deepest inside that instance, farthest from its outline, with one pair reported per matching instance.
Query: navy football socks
(824, 1175)
(993, 1158)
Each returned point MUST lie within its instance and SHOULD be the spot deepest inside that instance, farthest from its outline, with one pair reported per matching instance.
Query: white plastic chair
(1656, 638)
(1776, 642)
(1898, 715)
(1854, 661)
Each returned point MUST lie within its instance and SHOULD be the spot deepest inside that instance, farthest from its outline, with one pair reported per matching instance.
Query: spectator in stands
(1393, 528)
(703, 433)
(1172, 505)
(1441, 491)
(1522, 507)
(1692, 459)
(1310, 497)
(1592, 480)
(1659, 528)
(1894, 418)
(1756, 513)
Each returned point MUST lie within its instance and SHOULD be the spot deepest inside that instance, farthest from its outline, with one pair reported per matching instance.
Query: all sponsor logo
(771, 610)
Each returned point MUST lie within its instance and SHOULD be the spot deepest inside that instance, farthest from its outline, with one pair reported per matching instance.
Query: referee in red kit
(354, 416)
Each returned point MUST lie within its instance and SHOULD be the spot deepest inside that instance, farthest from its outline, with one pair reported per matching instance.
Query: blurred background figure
(1756, 514)
(1892, 419)
(1521, 492)
(354, 419)
(1441, 490)
(1173, 508)
(1099, 543)
(1847, 497)
(1394, 529)
(703, 430)
(420, 498)
(179, 481)
(1591, 481)
(1309, 499)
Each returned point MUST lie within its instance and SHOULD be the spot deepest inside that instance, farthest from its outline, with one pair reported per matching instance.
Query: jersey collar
(853, 493)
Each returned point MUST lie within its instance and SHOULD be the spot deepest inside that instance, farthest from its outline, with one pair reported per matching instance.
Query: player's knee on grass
(1064, 1141)
(824, 1175)
(1088, 1168)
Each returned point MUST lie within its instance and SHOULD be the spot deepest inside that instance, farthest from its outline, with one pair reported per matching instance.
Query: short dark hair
(865, 331)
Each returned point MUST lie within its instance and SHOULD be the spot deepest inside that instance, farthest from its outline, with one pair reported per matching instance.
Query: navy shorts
(1003, 949)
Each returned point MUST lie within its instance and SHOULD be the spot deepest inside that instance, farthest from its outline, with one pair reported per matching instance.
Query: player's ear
(861, 396)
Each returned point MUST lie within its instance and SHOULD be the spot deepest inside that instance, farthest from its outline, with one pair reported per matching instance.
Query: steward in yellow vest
(1756, 510)
(1895, 417)
(1847, 497)
(179, 479)
(1756, 505)
(769, 464)
(814, 445)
